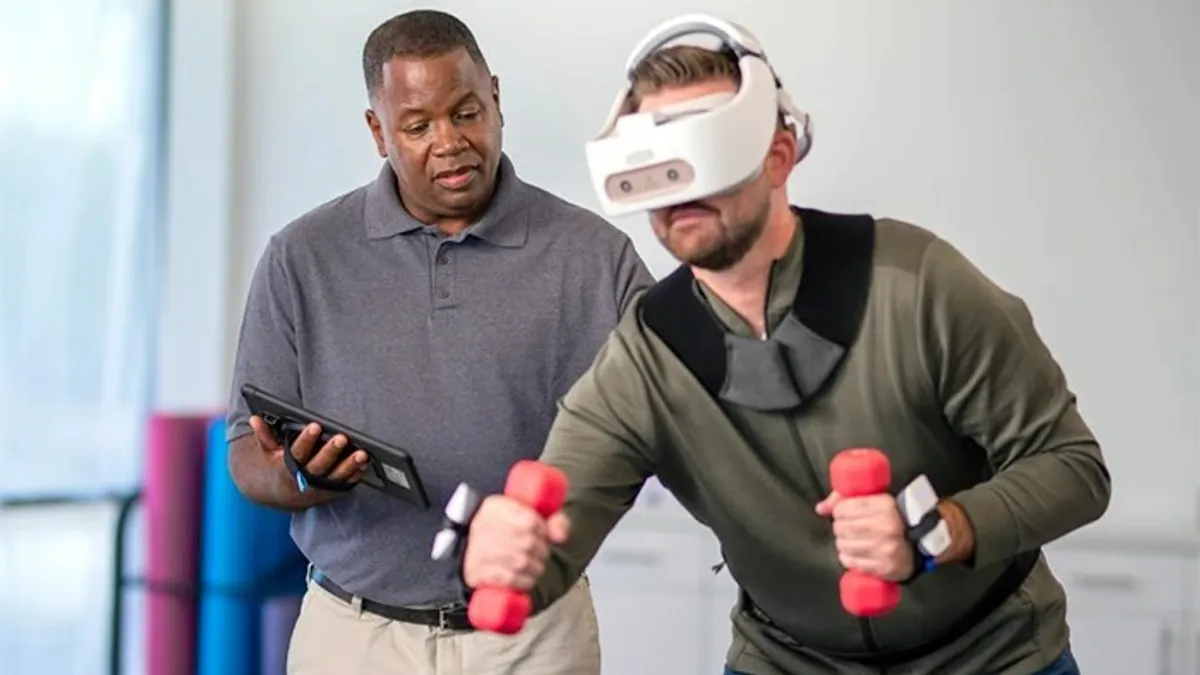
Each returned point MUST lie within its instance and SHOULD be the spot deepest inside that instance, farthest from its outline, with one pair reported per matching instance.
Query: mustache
(688, 208)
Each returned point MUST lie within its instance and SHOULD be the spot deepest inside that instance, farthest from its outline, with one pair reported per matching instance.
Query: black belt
(1010, 582)
(451, 617)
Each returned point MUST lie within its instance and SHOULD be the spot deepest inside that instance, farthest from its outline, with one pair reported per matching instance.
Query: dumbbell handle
(542, 488)
(861, 472)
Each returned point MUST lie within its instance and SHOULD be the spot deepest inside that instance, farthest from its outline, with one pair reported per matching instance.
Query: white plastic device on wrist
(641, 161)
(916, 501)
(457, 518)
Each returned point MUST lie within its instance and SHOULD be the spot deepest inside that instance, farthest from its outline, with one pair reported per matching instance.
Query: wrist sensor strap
(924, 527)
(304, 480)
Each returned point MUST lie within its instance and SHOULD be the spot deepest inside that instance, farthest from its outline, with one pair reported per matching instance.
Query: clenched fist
(869, 535)
(508, 544)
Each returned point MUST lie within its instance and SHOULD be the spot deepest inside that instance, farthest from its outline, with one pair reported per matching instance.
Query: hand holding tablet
(321, 453)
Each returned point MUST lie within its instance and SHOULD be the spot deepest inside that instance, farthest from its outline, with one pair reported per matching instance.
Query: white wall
(1053, 142)
(192, 370)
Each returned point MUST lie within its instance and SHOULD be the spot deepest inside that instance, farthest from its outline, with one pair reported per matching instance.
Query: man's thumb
(825, 507)
(559, 528)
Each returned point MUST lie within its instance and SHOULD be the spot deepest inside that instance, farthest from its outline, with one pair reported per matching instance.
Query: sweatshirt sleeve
(601, 439)
(1000, 386)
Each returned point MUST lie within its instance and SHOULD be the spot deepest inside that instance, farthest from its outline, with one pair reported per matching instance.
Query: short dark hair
(421, 33)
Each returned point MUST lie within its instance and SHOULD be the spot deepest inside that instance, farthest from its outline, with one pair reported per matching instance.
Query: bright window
(80, 128)
(81, 117)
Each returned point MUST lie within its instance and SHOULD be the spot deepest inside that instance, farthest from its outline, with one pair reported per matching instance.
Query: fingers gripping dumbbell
(540, 487)
(862, 472)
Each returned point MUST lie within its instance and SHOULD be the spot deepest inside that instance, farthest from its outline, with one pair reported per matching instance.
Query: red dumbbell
(543, 488)
(860, 472)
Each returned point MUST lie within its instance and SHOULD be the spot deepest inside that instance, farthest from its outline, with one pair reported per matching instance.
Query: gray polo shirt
(456, 348)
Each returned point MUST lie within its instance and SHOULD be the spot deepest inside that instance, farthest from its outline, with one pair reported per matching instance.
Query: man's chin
(464, 201)
(714, 263)
(712, 260)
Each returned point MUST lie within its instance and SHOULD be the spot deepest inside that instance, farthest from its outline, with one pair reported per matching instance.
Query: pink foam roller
(173, 499)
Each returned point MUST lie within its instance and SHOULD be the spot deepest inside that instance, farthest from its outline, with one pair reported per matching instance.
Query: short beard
(737, 240)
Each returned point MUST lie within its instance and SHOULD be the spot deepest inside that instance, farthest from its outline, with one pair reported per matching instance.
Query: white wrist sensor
(918, 509)
(457, 519)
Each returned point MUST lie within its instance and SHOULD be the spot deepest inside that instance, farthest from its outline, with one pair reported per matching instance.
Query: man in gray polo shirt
(445, 307)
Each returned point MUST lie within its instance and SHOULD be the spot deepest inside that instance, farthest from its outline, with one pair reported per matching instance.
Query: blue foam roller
(243, 545)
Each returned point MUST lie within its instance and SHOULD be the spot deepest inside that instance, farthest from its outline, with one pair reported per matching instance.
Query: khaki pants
(334, 638)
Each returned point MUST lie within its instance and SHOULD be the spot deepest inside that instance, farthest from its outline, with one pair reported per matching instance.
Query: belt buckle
(444, 617)
(446, 614)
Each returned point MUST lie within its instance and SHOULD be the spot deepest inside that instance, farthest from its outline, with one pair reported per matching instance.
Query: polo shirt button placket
(441, 274)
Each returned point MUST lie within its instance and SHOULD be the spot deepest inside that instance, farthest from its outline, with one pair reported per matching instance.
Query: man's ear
(781, 157)
(496, 97)
(376, 132)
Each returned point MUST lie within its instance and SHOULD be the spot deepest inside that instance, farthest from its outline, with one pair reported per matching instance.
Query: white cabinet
(647, 581)
(1139, 643)
(649, 633)
(720, 597)
(1190, 637)
(1128, 604)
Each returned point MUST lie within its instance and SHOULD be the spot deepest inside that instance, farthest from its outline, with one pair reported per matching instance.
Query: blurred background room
(149, 148)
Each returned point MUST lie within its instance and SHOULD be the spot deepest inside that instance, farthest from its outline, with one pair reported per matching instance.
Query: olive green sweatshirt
(948, 374)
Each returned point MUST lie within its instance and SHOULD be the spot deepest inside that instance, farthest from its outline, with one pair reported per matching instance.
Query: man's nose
(447, 138)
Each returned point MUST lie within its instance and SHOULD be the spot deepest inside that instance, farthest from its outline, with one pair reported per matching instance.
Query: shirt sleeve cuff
(995, 532)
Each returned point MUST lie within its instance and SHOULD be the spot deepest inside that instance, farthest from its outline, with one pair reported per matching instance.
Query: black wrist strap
(456, 563)
(923, 563)
(455, 569)
(923, 527)
(303, 478)
(460, 585)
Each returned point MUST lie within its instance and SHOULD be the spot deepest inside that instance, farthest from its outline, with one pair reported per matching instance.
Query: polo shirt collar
(503, 223)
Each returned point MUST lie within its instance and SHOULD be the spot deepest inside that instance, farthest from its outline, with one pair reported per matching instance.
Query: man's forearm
(962, 534)
(1029, 504)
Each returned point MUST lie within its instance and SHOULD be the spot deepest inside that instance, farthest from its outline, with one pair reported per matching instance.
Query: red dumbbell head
(866, 596)
(499, 610)
(539, 486)
(859, 472)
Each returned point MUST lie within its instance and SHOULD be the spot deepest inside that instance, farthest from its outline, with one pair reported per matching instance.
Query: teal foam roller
(247, 555)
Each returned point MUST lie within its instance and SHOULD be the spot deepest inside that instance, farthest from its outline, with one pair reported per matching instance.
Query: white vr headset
(698, 148)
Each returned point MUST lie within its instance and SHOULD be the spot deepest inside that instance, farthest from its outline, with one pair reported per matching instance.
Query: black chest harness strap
(800, 356)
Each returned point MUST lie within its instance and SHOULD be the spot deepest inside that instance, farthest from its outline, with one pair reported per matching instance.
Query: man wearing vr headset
(788, 335)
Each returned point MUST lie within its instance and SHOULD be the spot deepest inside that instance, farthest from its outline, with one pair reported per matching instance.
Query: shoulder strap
(671, 309)
(836, 280)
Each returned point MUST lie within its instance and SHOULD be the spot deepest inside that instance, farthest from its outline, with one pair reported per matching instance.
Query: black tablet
(390, 469)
